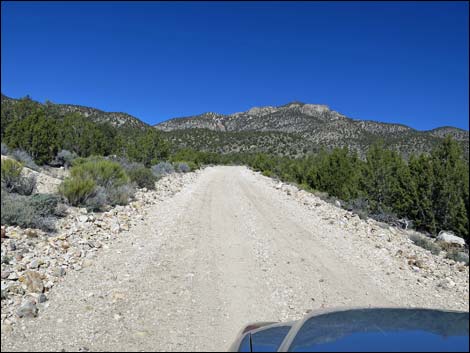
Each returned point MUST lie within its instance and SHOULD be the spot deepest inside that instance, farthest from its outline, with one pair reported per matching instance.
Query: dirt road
(227, 250)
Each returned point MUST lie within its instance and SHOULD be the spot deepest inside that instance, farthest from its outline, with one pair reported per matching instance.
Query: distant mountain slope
(115, 118)
(294, 129)
(310, 127)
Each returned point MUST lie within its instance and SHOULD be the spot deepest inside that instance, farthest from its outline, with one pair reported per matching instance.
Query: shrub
(24, 157)
(143, 177)
(103, 172)
(161, 169)
(182, 167)
(13, 181)
(98, 200)
(359, 206)
(356, 204)
(458, 256)
(192, 165)
(267, 173)
(77, 190)
(5, 149)
(61, 209)
(425, 243)
(386, 217)
(26, 185)
(36, 211)
(120, 195)
(10, 173)
(45, 204)
(126, 164)
(64, 158)
(95, 182)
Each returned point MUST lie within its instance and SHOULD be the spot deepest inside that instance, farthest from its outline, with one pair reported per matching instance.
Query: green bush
(45, 204)
(13, 181)
(11, 173)
(36, 211)
(267, 173)
(192, 165)
(77, 190)
(103, 172)
(143, 177)
(182, 167)
(95, 182)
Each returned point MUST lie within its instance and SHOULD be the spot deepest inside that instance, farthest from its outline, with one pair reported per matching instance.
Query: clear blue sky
(404, 62)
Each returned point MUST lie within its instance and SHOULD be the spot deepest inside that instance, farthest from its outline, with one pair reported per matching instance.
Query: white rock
(448, 237)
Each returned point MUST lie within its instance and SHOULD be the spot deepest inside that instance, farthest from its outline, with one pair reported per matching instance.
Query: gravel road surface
(227, 250)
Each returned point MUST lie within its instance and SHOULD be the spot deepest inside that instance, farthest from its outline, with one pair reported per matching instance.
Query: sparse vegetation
(458, 255)
(24, 158)
(35, 211)
(64, 158)
(120, 195)
(143, 177)
(425, 243)
(182, 167)
(161, 169)
(14, 181)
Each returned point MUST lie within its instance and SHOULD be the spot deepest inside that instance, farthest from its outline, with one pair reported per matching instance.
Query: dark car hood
(371, 329)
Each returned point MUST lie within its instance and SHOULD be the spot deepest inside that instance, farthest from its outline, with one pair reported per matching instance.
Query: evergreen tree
(35, 134)
(421, 209)
(385, 181)
(450, 192)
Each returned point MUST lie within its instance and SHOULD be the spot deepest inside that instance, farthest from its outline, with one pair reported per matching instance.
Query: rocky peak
(260, 111)
(314, 109)
(293, 104)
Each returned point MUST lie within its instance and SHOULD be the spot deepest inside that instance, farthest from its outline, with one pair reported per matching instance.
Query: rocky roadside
(33, 261)
(391, 254)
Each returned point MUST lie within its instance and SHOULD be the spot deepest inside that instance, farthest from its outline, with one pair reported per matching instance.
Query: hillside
(116, 119)
(308, 127)
(293, 130)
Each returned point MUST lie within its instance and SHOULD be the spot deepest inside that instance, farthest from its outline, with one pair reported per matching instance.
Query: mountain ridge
(115, 118)
(315, 125)
(160, 125)
(293, 129)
